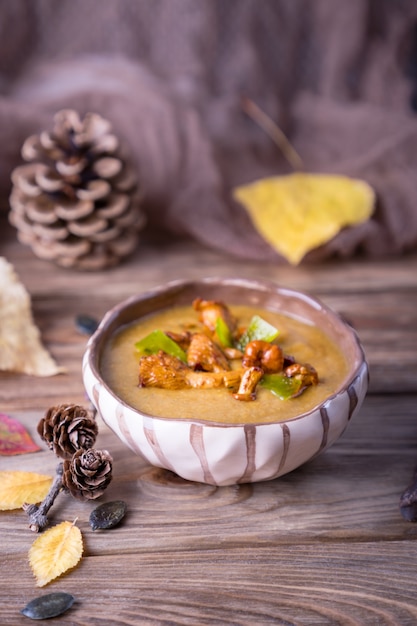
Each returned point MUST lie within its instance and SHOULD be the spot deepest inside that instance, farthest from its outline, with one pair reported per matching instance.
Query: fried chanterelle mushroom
(168, 372)
(204, 354)
(210, 311)
(208, 364)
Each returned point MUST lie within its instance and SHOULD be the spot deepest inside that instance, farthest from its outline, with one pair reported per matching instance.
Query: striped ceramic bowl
(218, 453)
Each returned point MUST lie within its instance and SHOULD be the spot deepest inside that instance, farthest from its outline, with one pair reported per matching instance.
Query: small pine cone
(68, 428)
(76, 202)
(87, 474)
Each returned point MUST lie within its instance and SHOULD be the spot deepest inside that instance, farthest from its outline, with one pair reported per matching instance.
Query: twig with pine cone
(70, 431)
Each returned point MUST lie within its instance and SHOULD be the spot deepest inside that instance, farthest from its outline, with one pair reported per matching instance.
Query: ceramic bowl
(218, 453)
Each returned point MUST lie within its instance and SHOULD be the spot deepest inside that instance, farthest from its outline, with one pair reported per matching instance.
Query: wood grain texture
(323, 545)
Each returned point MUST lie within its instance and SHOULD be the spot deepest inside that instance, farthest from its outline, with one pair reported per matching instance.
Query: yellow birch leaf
(54, 552)
(300, 212)
(16, 488)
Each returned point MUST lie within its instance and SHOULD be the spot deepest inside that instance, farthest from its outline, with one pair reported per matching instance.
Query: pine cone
(76, 202)
(87, 474)
(68, 428)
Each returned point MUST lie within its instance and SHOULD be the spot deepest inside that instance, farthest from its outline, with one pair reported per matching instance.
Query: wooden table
(325, 544)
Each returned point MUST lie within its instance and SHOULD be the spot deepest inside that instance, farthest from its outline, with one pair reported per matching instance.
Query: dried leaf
(55, 551)
(50, 605)
(20, 340)
(17, 487)
(14, 438)
(299, 212)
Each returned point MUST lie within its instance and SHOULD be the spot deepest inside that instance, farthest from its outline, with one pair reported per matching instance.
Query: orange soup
(305, 342)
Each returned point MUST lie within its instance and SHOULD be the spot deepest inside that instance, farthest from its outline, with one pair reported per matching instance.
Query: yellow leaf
(299, 212)
(16, 488)
(55, 551)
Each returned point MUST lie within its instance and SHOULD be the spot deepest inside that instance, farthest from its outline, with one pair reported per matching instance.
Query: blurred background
(173, 76)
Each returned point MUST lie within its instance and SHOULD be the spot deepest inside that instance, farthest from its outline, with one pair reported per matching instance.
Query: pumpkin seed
(50, 605)
(86, 324)
(107, 515)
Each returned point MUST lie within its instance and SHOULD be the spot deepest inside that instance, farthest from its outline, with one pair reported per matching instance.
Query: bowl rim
(94, 343)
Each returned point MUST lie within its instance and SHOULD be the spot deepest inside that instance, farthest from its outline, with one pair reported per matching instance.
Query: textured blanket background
(340, 78)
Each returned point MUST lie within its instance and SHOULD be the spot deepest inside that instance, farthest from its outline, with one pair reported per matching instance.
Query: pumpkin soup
(219, 363)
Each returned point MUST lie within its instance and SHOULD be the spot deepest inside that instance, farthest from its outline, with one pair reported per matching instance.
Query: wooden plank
(271, 585)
